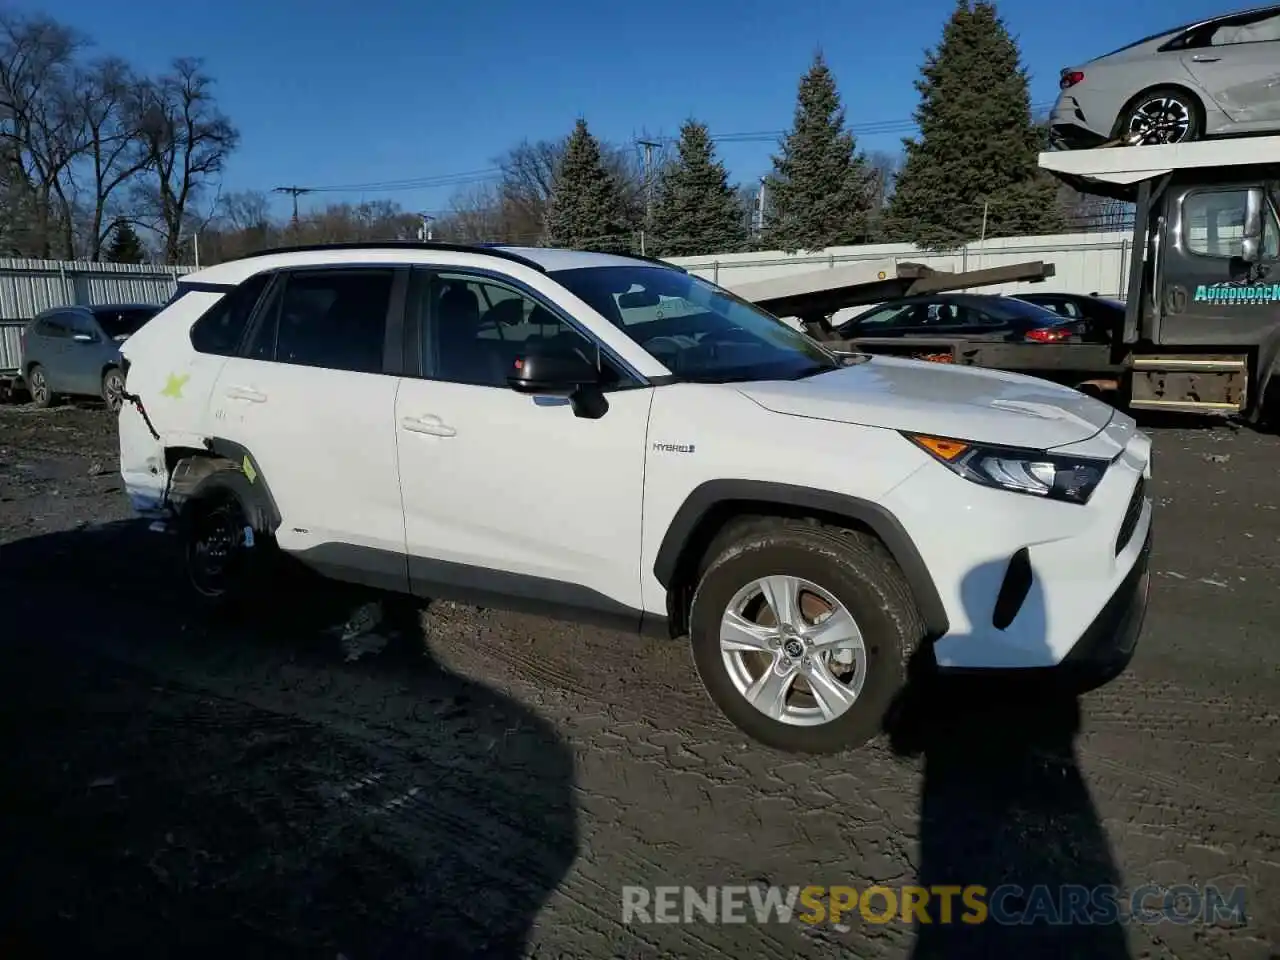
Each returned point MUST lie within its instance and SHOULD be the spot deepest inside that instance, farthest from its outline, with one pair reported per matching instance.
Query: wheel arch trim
(254, 493)
(761, 495)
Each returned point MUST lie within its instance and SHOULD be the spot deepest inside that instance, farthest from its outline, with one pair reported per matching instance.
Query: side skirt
(478, 586)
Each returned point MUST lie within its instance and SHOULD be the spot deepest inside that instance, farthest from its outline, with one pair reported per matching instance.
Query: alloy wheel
(793, 651)
(1160, 120)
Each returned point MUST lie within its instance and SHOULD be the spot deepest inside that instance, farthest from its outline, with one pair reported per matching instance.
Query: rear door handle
(432, 426)
(246, 393)
(1201, 58)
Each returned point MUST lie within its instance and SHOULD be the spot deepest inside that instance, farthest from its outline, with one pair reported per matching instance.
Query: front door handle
(1201, 58)
(430, 425)
(246, 393)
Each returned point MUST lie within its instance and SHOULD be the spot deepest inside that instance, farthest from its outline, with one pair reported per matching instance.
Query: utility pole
(425, 232)
(295, 192)
(649, 146)
(760, 206)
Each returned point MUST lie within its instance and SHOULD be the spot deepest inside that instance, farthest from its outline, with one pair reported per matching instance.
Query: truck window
(1213, 224)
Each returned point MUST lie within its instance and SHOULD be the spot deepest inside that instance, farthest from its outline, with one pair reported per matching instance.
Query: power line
(466, 178)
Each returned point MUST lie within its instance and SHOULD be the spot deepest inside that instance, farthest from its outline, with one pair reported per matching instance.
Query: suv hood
(965, 403)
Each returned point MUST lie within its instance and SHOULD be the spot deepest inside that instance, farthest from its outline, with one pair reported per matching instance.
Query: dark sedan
(1100, 315)
(968, 316)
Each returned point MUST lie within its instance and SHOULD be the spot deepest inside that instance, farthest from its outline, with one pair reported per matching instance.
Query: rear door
(51, 349)
(85, 358)
(310, 401)
(1237, 61)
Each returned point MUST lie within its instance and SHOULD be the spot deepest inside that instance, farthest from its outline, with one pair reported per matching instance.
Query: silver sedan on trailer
(1216, 77)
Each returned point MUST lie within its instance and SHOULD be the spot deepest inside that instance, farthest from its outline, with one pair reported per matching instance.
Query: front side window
(887, 318)
(1213, 224)
(697, 330)
(476, 328)
(335, 319)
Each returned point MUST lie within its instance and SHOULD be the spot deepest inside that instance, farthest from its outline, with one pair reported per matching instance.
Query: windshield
(117, 323)
(694, 328)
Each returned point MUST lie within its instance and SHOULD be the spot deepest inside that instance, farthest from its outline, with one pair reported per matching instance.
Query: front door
(511, 498)
(310, 401)
(1209, 296)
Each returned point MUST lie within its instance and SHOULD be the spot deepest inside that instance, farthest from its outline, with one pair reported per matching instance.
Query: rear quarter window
(222, 327)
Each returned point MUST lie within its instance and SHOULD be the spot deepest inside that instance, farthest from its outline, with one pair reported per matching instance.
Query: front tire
(38, 387)
(1161, 115)
(801, 633)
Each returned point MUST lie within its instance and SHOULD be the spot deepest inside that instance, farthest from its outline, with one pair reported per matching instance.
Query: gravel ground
(484, 786)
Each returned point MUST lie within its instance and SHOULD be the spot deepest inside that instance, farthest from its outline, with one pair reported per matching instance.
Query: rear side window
(219, 331)
(328, 318)
(54, 326)
(118, 324)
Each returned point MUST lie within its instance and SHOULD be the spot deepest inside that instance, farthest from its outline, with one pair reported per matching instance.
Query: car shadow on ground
(176, 788)
(1004, 805)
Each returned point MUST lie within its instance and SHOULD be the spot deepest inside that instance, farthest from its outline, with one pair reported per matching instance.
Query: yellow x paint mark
(173, 386)
(247, 467)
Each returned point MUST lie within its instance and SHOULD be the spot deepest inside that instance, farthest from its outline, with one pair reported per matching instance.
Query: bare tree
(187, 140)
(524, 192)
(40, 124)
(514, 209)
(108, 100)
(475, 216)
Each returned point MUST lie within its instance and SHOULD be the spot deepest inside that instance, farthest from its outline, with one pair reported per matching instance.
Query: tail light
(1048, 335)
(1070, 78)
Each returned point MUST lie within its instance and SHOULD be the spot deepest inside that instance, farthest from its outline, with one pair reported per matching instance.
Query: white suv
(610, 438)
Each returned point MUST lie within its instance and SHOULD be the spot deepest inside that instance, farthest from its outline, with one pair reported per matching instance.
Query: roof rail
(488, 250)
(657, 260)
(629, 256)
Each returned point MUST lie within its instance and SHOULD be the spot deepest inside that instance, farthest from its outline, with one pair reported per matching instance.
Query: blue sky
(331, 93)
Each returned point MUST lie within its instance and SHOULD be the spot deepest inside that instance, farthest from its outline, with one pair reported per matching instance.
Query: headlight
(1041, 474)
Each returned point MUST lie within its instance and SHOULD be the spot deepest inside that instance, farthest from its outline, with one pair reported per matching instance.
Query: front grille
(1132, 513)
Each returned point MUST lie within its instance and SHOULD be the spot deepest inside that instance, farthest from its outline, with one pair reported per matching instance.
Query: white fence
(29, 286)
(1083, 262)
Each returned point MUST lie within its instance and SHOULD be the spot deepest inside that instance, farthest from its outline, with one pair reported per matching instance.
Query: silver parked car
(75, 351)
(1217, 77)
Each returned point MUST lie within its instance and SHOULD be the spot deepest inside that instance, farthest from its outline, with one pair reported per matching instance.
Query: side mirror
(83, 337)
(1251, 244)
(552, 373)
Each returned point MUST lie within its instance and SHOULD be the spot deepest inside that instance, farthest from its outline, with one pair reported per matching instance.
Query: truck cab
(1201, 330)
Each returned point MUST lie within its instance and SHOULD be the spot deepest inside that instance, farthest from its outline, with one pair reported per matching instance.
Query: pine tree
(589, 209)
(977, 145)
(820, 188)
(697, 211)
(125, 246)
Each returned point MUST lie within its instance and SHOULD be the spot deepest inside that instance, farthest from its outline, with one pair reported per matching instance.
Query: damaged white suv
(610, 438)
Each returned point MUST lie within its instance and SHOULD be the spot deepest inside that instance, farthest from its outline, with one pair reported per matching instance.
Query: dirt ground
(176, 787)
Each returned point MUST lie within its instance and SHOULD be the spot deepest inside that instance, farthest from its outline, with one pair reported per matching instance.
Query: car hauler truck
(1201, 330)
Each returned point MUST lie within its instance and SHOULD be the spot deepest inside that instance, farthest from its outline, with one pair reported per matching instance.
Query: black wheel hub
(215, 549)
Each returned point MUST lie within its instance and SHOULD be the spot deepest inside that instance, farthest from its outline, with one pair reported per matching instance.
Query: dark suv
(75, 351)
